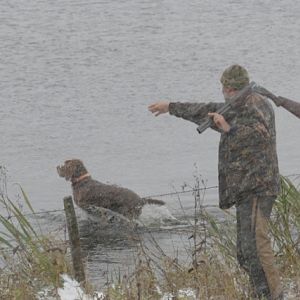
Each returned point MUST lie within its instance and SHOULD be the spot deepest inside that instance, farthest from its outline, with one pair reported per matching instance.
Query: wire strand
(146, 197)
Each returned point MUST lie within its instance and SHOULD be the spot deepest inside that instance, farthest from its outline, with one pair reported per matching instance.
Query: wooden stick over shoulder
(290, 105)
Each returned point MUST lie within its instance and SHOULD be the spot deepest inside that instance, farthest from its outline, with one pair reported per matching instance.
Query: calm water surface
(77, 77)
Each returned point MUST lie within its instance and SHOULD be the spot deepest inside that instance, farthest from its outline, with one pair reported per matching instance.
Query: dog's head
(72, 169)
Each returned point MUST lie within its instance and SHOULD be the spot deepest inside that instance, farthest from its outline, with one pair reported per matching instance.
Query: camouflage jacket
(247, 154)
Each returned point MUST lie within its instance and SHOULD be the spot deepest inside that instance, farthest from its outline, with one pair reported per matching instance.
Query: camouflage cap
(235, 77)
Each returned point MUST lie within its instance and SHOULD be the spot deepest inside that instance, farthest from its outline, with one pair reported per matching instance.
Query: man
(248, 172)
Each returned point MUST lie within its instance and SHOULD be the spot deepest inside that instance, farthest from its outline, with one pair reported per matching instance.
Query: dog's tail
(153, 201)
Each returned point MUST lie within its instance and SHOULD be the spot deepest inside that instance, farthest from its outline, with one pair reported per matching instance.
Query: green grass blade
(6, 242)
(26, 200)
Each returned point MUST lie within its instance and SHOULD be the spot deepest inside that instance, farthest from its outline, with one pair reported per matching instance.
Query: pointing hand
(159, 108)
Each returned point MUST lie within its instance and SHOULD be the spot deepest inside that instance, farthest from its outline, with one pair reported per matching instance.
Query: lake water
(77, 77)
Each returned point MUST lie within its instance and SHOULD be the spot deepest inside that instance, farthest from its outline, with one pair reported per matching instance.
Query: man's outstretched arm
(194, 112)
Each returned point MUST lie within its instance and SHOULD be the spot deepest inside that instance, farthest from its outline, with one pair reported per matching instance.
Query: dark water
(77, 77)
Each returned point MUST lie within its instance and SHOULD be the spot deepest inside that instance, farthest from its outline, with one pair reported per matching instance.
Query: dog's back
(92, 192)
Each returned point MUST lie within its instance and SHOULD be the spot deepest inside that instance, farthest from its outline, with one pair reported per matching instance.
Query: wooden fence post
(74, 239)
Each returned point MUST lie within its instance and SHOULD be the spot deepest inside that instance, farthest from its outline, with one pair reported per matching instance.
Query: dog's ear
(74, 168)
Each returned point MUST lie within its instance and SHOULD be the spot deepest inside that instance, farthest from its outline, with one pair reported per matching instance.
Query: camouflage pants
(254, 250)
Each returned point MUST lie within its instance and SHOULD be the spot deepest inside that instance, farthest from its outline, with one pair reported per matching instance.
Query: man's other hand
(220, 121)
(159, 108)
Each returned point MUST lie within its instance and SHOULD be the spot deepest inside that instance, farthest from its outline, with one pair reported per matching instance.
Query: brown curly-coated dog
(87, 191)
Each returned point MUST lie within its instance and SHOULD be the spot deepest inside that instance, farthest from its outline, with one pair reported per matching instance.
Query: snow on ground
(72, 291)
(186, 294)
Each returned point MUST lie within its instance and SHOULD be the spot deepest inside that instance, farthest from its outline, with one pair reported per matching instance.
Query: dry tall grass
(29, 260)
(213, 272)
(32, 261)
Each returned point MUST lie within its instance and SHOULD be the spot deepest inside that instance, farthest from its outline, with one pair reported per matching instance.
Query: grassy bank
(31, 261)
(213, 272)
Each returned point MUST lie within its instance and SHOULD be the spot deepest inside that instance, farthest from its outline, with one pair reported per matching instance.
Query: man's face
(228, 93)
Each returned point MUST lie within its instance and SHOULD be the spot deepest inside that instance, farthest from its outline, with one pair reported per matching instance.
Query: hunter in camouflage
(248, 172)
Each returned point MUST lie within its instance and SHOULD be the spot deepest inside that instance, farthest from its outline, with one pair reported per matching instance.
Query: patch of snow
(167, 297)
(187, 293)
(182, 294)
(72, 291)
(45, 294)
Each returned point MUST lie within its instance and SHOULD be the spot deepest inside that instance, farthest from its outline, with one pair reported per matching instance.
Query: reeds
(285, 228)
(213, 271)
(29, 260)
